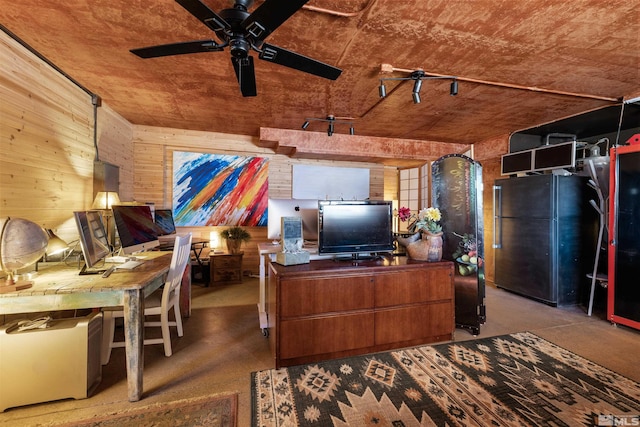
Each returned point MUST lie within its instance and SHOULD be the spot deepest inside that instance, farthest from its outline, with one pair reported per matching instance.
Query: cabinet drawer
(227, 261)
(414, 322)
(304, 297)
(410, 287)
(307, 337)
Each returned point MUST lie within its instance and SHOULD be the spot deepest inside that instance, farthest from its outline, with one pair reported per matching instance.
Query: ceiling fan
(243, 32)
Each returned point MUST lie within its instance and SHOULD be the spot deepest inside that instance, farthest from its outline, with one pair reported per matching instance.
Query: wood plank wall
(47, 146)
(153, 155)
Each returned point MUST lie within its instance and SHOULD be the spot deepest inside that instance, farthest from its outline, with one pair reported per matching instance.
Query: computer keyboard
(129, 265)
(116, 259)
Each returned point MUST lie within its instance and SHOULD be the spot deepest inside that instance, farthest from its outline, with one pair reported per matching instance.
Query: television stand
(326, 310)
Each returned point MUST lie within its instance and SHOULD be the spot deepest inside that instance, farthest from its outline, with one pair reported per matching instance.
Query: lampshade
(105, 200)
(56, 244)
(22, 243)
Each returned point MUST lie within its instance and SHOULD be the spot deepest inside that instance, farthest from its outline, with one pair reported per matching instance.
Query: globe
(22, 243)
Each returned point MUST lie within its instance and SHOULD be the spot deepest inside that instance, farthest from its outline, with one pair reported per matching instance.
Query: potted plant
(234, 237)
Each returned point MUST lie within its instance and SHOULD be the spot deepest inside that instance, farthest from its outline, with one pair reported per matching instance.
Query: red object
(625, 284)
(635, 139)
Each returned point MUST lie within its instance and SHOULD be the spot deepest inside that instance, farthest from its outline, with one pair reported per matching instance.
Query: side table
(225, 268)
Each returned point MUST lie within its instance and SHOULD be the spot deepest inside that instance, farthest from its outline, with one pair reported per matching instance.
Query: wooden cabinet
(225, 268)
(328, 309)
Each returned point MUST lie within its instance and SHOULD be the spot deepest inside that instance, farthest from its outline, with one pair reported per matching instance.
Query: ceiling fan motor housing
(238, 44)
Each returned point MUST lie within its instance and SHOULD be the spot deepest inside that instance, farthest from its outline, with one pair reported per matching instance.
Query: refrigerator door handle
(497, 216)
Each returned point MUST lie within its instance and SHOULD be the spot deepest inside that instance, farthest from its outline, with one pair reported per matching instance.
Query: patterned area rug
(509, 380)
(207, 411)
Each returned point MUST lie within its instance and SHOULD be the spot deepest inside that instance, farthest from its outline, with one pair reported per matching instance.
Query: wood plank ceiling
(581, 54)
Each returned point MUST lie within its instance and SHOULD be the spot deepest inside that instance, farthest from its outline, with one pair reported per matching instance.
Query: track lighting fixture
(331, 120)
(418, 76)
(388, 68)
(382, 89)
(453, 90)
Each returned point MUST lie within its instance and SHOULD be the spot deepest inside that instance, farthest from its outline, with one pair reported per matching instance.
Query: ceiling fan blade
(269, 16)
(246, 75)
(201, 11)
(294, 60)
(177, 49)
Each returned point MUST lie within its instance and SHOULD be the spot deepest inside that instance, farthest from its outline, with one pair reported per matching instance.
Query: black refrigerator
(541, 236)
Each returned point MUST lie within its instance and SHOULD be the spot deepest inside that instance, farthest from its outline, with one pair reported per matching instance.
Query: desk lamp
(56, 245)
(22, 243)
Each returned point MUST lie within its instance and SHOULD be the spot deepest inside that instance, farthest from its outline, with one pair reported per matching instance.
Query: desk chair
(158, 303)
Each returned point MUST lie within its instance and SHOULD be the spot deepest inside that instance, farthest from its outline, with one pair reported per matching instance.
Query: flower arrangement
(235, 233)
(234, 236)
(427, 219)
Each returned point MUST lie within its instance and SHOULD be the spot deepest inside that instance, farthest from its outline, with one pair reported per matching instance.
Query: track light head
(305, 124)
(453, 89)
(416, 98)
(417, 86)
(382, 89)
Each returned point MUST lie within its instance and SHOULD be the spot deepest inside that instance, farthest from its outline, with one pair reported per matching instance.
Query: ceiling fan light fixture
(416, 98)
(352, 131)
(305, 125)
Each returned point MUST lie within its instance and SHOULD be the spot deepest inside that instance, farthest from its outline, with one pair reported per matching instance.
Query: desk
(225, 268)
(61, 288)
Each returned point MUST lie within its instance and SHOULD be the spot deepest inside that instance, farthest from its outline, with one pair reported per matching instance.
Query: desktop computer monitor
(93, 239)
(164, 220)
(136, 228)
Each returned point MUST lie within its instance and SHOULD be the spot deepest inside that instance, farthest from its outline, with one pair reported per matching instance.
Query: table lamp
(104, 201)
(22, 243)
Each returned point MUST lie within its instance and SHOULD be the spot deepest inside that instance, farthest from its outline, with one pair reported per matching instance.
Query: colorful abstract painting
(214, 189)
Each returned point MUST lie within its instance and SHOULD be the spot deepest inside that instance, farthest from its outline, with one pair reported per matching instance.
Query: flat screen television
(93, 239)
(355, 227)
(137, 231)
(307, 209)
(164, 220)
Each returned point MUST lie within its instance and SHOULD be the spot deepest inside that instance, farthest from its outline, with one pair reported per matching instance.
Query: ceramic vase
(233, 246)
(428, 248)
